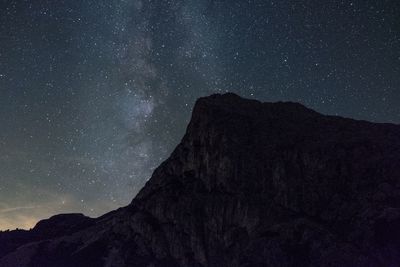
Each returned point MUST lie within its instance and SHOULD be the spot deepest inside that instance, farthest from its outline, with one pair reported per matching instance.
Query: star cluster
(95, 94)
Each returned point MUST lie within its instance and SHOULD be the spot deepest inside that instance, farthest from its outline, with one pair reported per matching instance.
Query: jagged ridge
(252, 184)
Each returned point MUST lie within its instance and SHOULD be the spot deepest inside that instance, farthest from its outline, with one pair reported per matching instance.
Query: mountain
(56, 226)
(250, 184)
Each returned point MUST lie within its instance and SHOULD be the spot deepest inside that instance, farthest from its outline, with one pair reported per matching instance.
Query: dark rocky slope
(56, 226)
(251, 184)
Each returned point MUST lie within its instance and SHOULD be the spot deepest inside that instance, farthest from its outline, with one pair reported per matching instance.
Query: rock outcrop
(250, 184)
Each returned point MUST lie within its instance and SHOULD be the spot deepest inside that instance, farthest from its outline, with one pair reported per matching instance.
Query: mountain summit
(250, 184)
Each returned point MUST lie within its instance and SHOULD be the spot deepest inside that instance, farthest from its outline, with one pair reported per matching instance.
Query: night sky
(95, 94)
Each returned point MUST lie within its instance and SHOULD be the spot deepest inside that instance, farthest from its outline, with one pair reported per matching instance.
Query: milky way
(95, 94)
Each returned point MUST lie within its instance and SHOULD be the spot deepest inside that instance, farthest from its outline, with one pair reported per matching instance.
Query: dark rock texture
(56, 226)
(251, 184)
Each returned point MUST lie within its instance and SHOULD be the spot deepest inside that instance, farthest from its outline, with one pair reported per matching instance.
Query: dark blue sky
(95, 94)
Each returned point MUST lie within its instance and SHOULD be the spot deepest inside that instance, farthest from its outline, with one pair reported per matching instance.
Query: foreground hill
(250, 184)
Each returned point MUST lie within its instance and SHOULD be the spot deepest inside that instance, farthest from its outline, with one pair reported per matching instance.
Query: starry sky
(95, 94)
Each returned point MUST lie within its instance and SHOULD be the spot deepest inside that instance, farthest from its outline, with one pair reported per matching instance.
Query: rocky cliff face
(250, 184)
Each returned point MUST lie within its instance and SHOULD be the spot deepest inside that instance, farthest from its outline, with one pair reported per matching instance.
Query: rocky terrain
(250, 184)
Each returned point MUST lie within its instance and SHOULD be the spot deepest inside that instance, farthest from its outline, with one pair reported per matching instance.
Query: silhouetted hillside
(250, 184)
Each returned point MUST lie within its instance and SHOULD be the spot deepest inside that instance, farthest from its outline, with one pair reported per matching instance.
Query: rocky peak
(252, 184)
(220, 127)
(62, 223)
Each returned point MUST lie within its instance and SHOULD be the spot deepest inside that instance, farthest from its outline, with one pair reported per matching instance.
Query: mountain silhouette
(250, 184)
